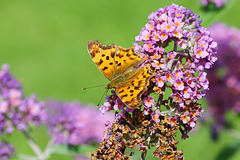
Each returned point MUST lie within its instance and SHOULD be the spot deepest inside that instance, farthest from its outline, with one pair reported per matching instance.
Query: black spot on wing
(100, 62)
(105, 68)
(119, 55)
(137, 87)
(92, 54)
(125, 95)
(121, 91)
(139, 83)
(107, 58)
(132, 83)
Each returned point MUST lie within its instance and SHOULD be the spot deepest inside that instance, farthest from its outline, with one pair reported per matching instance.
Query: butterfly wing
(103, 57)
(126, 59)
(130, 93)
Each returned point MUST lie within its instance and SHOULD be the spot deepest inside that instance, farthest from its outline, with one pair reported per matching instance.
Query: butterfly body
(121, 79)
(121, 67)
(118, 81)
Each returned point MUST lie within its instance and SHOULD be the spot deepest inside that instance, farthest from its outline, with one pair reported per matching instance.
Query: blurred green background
(45, 43)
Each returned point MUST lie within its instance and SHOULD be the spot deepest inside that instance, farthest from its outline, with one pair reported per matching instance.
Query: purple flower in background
(6, 150)
(224, 78)
(81, 157)
(217, 3)
(16, 111)
(74, 124)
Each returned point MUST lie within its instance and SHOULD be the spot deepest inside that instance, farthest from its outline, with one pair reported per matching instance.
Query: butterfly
(121, 67)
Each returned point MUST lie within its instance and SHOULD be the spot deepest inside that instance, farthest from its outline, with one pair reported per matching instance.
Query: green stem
(47, 150)
(34, 146)
(143, 155)
(159, 101)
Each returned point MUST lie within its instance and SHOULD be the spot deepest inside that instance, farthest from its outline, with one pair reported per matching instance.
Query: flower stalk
(34, 146)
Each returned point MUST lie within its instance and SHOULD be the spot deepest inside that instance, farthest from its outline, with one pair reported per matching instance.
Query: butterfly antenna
(105, 92)
(94, 86)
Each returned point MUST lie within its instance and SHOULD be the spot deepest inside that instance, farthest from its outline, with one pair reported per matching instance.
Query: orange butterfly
(121, 67)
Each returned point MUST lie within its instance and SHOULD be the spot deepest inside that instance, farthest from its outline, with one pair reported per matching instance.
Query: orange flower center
(168, 77)
(155, 117)
(168, 27)
(199, 52)
(185, 90)
(164, 35)
(159, 80)
(149, 101)
(184, 117)
(176, 74)
(176, 33)
(179, 83)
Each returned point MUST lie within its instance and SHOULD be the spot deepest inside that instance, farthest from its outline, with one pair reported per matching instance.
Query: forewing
(130, 93)
(127, 59)
(103, 57)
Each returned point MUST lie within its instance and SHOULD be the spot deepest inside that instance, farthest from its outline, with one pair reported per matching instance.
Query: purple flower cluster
(224, 91)
(217, 3)
(177, 67)
(15, 110)
(6, 150)
(74, 124)
(180, 69)
(178, 50)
